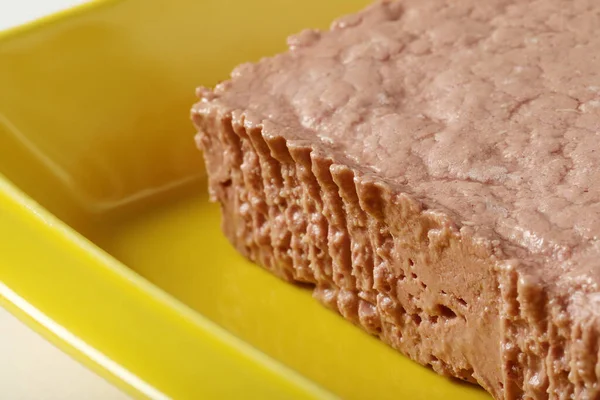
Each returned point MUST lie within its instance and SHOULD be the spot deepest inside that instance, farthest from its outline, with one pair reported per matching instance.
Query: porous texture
(433, 169)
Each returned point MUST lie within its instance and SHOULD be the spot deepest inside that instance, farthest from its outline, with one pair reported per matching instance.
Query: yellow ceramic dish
(108, 246)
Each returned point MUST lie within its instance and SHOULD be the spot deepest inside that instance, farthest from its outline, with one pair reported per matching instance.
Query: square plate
(108, 245)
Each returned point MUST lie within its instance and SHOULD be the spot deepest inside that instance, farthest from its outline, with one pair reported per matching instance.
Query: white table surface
(30, 367)
(33, 369)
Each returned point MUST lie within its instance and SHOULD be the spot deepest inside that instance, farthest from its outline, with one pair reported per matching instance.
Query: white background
(30, 367)
(16, 12)
(33, 369)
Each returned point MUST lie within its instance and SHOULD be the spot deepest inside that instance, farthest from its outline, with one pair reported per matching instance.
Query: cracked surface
(427, 162)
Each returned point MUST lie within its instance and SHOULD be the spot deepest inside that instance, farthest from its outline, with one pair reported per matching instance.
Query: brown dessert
(433, 168)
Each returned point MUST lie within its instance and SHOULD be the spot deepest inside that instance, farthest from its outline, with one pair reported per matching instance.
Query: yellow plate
(108, 246)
